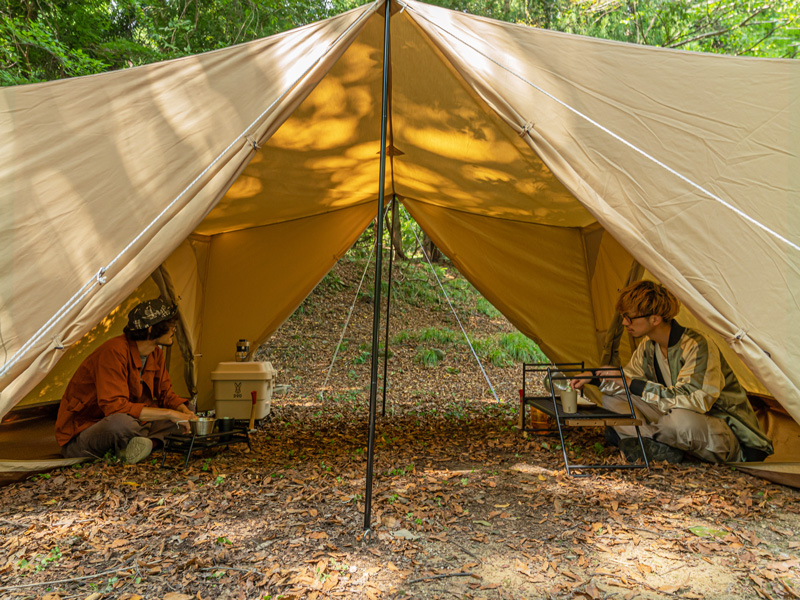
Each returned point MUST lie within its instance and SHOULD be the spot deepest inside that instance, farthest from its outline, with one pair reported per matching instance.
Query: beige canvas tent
(546, 166)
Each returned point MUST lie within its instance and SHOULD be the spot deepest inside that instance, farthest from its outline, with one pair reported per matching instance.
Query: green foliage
(486, 308)
(53, 39)
(332, 282)
(414, 285)
(30, 51)
(428, 357)
(521, 348)
(362, 358)
(507, 350)
(401, 337)
(40, 563)
(440, 336)
(752, 27)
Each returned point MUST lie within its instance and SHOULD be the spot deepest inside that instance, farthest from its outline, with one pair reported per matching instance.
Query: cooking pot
(202, 425)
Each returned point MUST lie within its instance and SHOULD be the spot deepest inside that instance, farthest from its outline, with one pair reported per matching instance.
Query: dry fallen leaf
(592, 590)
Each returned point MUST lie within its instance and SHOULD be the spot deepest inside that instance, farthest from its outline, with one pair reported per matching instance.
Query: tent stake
(388, 303)
(376, 316)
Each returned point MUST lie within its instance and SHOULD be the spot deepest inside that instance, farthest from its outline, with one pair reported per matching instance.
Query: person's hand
(579, 382)
(182, 416)
(187, 411)
(610, 373)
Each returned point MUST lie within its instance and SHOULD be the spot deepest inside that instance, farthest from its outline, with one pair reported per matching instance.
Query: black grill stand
(186, 443)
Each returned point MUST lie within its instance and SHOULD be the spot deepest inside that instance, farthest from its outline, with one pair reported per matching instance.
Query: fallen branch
(233, 569)
(28, 585)
(442, 576)
(465, 551)
(671, 569)
(13, 523)
(634, 580)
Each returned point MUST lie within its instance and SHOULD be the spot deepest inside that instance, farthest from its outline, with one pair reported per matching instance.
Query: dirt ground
(463, 505)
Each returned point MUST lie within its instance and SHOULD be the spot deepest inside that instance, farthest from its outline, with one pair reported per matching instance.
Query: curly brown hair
(648, 298)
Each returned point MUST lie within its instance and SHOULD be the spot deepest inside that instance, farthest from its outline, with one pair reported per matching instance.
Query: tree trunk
(434, 254)
(397, 237)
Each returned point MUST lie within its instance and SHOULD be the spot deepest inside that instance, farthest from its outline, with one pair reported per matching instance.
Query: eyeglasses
(630, 319)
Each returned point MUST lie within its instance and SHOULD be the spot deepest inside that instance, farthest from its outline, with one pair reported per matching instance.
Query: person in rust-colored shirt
(120, 400)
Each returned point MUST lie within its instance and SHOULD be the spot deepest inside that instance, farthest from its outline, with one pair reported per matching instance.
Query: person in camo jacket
(680, 385)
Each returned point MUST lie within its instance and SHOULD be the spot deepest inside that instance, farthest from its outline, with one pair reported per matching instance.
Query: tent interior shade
(543, 164)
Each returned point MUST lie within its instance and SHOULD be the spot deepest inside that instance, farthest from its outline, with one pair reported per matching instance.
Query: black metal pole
(388, 303)
(376, 316)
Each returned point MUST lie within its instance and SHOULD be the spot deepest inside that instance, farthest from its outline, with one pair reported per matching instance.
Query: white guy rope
(466, 337)
(99, 278)
(575, 111)
(346, 323)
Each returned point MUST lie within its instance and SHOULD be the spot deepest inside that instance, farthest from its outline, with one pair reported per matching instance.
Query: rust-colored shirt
(108, 382)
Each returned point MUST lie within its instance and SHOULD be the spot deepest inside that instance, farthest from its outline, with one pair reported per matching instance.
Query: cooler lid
(244, 370)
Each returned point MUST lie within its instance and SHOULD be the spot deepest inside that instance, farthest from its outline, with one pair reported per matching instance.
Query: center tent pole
(388, 304)
(376, 294)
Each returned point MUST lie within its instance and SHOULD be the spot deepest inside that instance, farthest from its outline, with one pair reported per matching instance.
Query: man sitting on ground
(120, 399)
(681, 387)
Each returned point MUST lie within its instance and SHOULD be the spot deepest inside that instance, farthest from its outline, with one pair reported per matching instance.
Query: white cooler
(233, 384)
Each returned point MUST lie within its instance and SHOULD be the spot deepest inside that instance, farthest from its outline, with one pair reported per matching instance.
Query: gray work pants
(113, 433)
(706, 437)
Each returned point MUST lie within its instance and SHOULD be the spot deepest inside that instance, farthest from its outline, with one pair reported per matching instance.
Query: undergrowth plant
(521, 348)
(428, 357)
(440, 336)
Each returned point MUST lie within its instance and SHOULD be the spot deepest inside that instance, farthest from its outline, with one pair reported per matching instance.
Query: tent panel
(721, 122)
(72, 204)
(534, 274)
(457, 153)
(324, 157)
(257, 277)
(609, 265)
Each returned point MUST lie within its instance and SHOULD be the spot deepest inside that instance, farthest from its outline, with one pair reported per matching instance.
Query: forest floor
(463, 505)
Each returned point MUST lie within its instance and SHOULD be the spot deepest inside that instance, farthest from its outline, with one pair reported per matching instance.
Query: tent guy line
(466, 337)
(99, 277)
(346, 323)
(617, 137)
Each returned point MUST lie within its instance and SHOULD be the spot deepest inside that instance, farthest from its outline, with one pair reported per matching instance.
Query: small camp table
(186, 443)
(586, 416)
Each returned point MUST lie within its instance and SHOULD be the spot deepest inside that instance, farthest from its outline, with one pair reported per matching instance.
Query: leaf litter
(463, 506)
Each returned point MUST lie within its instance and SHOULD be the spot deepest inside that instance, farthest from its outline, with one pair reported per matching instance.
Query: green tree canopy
(51, 39)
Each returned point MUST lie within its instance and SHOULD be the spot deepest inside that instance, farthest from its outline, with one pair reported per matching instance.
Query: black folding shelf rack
(586, 416)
